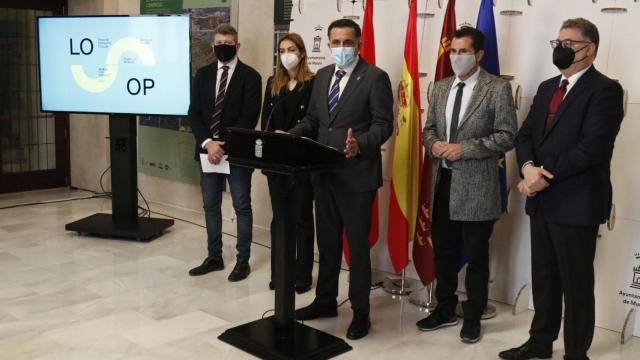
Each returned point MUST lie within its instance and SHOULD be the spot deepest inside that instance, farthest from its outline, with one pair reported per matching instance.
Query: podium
(280, 336)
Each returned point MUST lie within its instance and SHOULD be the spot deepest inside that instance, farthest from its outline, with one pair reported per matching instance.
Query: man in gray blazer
(351, 110)
(471, 123)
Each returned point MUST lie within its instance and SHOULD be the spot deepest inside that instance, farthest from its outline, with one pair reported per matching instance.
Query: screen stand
(124, 222)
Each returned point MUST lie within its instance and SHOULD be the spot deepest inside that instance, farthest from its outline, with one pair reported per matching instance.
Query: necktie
(455, 115)
(556, 100)
(334, 93)
(217, 107)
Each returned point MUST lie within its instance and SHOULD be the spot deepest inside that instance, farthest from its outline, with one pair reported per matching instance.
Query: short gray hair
(586, 27)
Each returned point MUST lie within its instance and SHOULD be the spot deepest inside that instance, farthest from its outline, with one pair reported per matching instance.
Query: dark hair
(345, 23)
(226, 29)
(477, 37)
(586, 27)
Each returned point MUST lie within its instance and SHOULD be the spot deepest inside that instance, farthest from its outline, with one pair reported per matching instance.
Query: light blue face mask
(343, 56)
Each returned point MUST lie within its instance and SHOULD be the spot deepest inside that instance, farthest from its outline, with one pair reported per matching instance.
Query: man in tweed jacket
(471, 123)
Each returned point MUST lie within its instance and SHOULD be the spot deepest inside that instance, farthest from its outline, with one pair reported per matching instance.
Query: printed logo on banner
(632, 297)
(317, 38)
(635, 283)
(317, 60)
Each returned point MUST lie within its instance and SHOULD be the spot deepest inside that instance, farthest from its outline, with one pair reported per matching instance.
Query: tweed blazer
(486, 131)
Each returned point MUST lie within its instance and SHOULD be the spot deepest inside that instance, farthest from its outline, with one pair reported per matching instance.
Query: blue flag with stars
(491, 63)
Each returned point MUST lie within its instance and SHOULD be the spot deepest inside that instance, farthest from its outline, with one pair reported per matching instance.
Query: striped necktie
(216, 118)
(334, 93)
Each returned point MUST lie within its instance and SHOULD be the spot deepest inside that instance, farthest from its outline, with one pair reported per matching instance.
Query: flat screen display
(115, 64)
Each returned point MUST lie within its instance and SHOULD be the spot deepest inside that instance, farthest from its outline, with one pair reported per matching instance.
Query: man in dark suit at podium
(225, 93)
(351, 109)
(564, 150)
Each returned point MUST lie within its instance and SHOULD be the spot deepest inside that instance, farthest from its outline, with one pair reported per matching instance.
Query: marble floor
(63, 296)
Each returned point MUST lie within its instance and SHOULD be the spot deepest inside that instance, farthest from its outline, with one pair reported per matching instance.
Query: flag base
(423, 298)
(400, 286)
(489, 312)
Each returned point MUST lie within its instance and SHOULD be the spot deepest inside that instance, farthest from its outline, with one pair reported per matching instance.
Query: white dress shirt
(343, 82)
(232, 66)
(467, 90)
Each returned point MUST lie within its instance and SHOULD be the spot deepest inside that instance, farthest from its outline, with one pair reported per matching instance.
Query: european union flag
(491, 63)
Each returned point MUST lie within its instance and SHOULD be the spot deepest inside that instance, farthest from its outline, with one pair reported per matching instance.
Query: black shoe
(436, 320)
(302, 288)
(272, 286)
(316, 310)
(526, 351)
(359, 327)
(240, 271)
(470, 332)
(208, 265)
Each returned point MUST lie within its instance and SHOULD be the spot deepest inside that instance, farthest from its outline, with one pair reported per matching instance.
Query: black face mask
(224, 52)
(564, 57)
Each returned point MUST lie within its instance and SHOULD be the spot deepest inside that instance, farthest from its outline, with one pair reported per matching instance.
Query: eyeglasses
(566, 43)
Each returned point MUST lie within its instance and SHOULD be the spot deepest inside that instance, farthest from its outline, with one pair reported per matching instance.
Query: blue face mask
(343, 56)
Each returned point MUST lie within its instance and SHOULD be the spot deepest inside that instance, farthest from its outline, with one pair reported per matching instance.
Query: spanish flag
(407, 155)
(368, 54)
(423, 253)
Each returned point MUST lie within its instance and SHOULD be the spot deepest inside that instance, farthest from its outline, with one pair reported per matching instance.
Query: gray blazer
(365, 106)
(486, 131)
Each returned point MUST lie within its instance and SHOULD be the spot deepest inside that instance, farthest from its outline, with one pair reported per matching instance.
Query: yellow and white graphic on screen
(108, 74)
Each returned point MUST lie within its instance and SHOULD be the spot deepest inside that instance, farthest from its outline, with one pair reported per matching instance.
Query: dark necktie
(455, 116)
(334, 93)
(216, 118)
(556, 100)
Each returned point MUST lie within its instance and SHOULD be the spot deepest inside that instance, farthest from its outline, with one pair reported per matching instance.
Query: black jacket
(365, 106)
(241, 107)
(577, 148)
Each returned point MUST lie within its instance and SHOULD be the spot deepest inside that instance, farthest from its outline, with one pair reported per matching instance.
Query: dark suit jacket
(577, 148)
(365, 106)
(288, 108)
(241, 107)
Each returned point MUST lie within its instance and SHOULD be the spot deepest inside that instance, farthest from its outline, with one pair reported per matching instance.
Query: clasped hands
(444, 150)
(215, 151)
(535, 180)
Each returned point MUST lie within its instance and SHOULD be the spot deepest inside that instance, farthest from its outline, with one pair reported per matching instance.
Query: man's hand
(534, 177)
(215, 151)
(351, 149)
(280, 132)
(525, 190)
(452, 152)
(438, 148)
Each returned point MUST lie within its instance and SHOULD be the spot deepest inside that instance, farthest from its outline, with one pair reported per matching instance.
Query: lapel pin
(358, 78)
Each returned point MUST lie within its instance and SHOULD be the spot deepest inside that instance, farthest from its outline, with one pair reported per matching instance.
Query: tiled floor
(63, 296)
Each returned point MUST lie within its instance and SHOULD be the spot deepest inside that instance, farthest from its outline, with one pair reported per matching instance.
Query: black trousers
(453, 239)
(351, 210)
(562, 265)
(297, 195)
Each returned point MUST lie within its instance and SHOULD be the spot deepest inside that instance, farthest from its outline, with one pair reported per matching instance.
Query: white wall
(524, 53)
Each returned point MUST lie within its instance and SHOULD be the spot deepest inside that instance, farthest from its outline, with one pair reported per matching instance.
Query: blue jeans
(212, 185)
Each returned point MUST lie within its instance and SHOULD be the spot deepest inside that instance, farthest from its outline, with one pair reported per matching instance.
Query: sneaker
(436, 320)
(470, 332)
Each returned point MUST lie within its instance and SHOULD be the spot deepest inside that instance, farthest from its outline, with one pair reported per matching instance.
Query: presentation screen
(115, 64)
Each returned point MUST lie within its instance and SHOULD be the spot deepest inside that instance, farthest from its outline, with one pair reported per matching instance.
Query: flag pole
(399, 286)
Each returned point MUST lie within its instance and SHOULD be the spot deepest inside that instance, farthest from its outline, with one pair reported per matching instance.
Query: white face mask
(462, 64)
(289, 60)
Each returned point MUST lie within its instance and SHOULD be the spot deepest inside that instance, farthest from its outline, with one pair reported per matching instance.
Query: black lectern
(280, 336)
